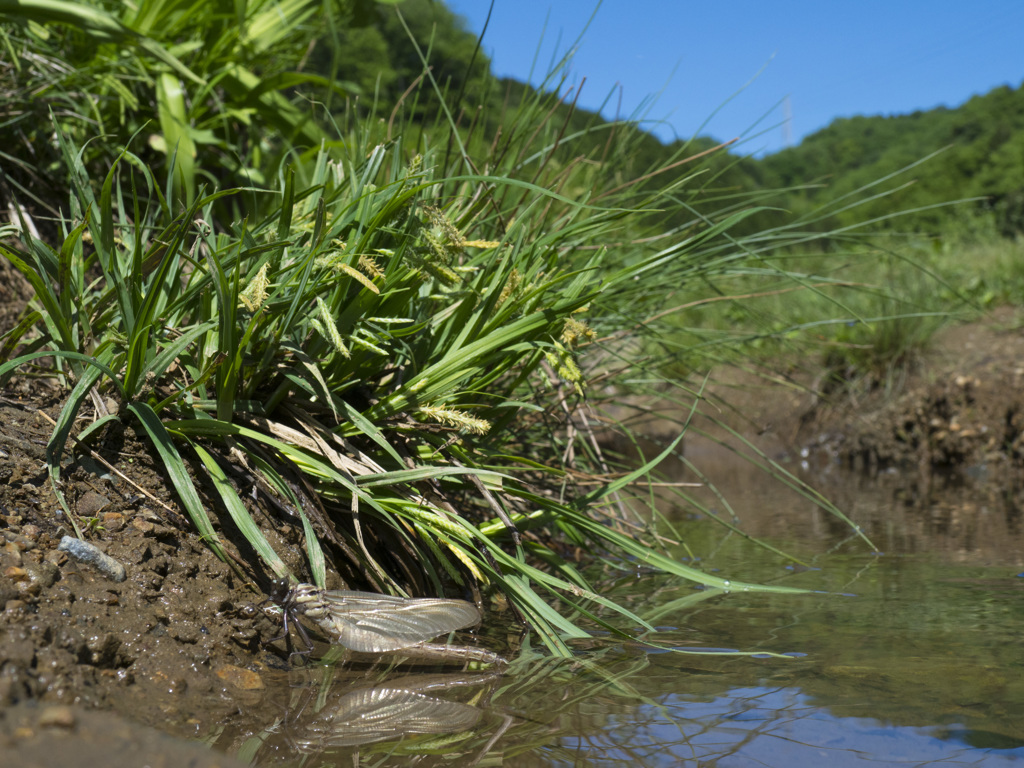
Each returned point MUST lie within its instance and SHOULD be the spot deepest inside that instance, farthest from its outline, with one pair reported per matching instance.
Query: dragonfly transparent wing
(371, 623)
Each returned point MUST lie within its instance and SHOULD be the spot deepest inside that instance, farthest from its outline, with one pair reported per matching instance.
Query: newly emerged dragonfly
(368, 622)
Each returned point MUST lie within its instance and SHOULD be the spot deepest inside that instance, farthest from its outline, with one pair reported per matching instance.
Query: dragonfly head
(279, 590)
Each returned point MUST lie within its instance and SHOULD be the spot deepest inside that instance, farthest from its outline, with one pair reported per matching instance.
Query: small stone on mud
(243, 679)
(18, 541)
(57, 717)
(8, 592)
(91, 503)
(113, 521)
(44, 573)
(94, 556)
(56, 557)
(143, 526)
(30, 588)
(16, 573)
(11, 554)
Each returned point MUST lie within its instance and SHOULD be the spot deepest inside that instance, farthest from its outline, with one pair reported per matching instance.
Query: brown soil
(182, 632)
(958, 409)
(155, 647)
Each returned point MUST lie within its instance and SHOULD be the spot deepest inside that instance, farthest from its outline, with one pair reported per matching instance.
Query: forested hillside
(980, 145)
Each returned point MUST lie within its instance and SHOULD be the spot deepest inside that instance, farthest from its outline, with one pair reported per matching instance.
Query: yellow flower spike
(562, 361)
(370, 267)
(576, 331)
(255, 292)
(452, 418)
(511, 287)
(359, 276)
(467, 562)
(328, 329)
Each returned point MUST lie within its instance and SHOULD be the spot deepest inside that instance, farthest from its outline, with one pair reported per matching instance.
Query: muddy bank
(146, 646)
(958, 409)
(172, 638)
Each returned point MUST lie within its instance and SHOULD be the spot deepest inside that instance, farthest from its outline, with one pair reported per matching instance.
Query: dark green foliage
(984, 158)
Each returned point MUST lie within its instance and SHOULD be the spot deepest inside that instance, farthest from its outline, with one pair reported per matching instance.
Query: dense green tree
(382, 52)
(981, 154)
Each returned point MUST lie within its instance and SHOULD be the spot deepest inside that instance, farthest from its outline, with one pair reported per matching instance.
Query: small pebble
(91, 504)
(11, 554)
(56, 557)
(243, 679)
(142, 525)
(19, 540)
(113, 521)
(57, 717)
(44, 573)
(87, 553)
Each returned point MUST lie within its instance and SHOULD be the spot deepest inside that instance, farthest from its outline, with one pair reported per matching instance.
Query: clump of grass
(371, 357)
(385, 343)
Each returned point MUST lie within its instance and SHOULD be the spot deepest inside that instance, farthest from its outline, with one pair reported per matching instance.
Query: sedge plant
(384, 345)
(366, 356)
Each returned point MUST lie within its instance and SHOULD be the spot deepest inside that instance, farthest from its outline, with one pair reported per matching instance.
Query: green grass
(394, 335)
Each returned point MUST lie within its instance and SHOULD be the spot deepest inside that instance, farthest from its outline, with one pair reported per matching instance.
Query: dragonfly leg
(288, 639)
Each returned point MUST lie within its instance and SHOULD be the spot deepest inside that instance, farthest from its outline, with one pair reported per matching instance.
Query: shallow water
(911, 656)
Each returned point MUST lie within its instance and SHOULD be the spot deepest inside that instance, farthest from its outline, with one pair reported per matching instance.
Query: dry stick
(562, 402)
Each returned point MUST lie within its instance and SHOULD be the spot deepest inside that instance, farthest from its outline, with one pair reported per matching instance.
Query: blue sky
(729, 69)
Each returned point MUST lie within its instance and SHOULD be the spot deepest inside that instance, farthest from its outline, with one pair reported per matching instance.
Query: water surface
(909, 655)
